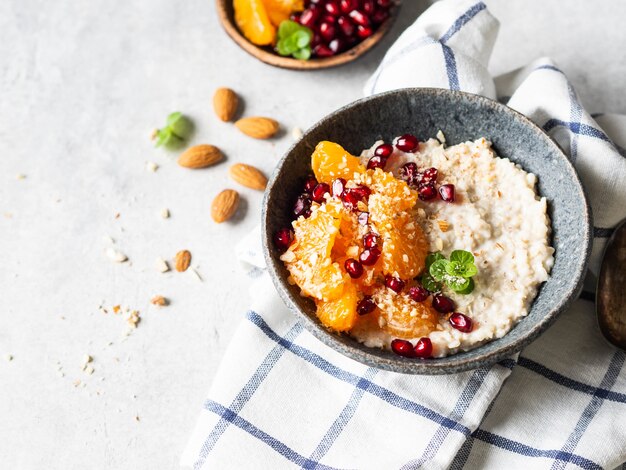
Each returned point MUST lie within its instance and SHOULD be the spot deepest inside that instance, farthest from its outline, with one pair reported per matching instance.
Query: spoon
(611, 291)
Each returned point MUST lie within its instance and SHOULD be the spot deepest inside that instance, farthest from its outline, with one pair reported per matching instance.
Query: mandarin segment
(391, 209)
(253, 21)
(330, 161)
(403, 317)
(340, 314)
(404, 246)
(398, 194)
(279, 10)
(308, 259)
(346, 236)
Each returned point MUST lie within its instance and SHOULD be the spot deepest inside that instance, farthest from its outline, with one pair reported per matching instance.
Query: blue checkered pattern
(281, 399)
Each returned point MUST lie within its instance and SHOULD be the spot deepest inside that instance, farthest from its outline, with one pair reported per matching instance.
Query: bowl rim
(424, 367)
(294, 64)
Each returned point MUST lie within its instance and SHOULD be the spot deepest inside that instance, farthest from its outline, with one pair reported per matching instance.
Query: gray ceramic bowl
(461, 116)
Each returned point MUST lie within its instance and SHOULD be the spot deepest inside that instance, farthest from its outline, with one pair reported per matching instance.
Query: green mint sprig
(455, 273)
(294, 40)
(177, 129)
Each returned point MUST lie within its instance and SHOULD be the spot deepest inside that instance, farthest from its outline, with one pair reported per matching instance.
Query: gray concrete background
(82, 84)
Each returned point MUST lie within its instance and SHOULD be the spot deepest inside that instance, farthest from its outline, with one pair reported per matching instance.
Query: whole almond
(225, 103)
(258, 127)
(248, 176)
(182, 261)
(224, 205)
(200, 156)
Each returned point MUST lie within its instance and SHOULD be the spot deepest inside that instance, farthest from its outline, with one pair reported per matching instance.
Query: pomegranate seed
(429, 176)
(394, 283)
(446, 191)
(362, 192)
(352, 196)
(316, 41)
(364, 31)
(409, 173)
(322, 50)
(363, 218)
(427, 192)
(338, 187)
(359, 18)
(318, 192)
(423, 348)
(370, 240)
(407, 143)
(327, 31)
(347, 26)
(384, 150)
(369, 256)
(380, 16)
(443, 304)
(376, 162)
(295, 17)
(461, 322)
(418, 293)
(302, 206)
(309, 184)
(347, 6)
(350, 199)
(316, 2)
(332, 8)
(283, 238)
(402, 347)
(353, 268)
(309, 16)
(384, 3)
(368, 6)
(337, 45)
(330, 19)
(365, 306)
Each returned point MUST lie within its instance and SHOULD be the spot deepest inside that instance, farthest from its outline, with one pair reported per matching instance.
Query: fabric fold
(282, 399)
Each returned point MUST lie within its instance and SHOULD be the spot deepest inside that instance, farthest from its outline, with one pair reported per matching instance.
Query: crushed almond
(160, 301)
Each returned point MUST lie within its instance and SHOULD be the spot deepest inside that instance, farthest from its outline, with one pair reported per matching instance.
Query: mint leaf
(454, 268)
(456, 283)
(302, 38)
(303, 54)
(430, 284)
(282, 49)
(294, 40)
(462, 257)
(173, 117)
(470, 270)
(438, 269)
(432, 257)
(181, 127)
(468, 289)
(287, 28)
(163, 135)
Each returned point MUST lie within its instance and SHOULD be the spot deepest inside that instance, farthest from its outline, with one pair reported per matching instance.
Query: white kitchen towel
(281, 399)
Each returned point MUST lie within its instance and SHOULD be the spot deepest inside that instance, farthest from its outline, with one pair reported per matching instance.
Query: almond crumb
(165, 213)
(133, 319)
(162, 265)
(115, 255)
(160, 301)
(443, 225)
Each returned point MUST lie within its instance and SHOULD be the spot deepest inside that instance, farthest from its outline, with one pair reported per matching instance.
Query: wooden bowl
(266, 54)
